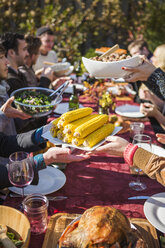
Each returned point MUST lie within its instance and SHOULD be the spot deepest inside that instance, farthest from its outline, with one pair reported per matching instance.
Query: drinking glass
(136, 128)
(20, 170)
(143, 141)
(35, 208)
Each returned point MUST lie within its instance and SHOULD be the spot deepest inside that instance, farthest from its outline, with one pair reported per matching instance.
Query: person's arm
(151, 164)
(151, 110)
(11, 112)
(153, 78)
(20, 142)
(4, 181)
(141, 72)
(158, 77)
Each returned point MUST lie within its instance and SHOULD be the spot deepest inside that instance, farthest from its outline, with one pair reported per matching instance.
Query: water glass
(35, 208)
(136, 128)
(143, 141)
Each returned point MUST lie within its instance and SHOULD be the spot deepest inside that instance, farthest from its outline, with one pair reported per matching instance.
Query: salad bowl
(35, 101)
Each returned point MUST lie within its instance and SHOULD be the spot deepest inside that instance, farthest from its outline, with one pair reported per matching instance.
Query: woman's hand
(161, 137)
(148, 109)
(141, 72)
(62, 155)
(11, 112)
(116, 146)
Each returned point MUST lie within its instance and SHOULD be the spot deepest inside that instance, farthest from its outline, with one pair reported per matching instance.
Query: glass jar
(35, 208)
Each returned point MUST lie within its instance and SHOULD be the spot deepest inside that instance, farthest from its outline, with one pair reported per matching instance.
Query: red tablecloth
(100, 180)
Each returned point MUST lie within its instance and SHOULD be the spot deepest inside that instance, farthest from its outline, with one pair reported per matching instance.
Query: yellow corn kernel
(68, 138)
(55, 122)
(98, 135)
(75, 114)
(77, 141)
(90, 126)
(60, 134)
(70, 127)
(54, 127)
(60, 124)
(53, 132)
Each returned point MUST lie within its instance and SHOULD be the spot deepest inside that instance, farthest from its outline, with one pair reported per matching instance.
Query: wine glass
(136, 128)
(20, 170)
(143, 141)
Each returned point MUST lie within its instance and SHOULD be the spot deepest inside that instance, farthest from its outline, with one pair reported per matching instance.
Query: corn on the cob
(54, 127)
(55, 122)
(60, 124)
(60, 134)
(68, 138)
(90, 126)
(53, 132)
(77, 141)
(98, 135)
(70, 127)
(75, 114)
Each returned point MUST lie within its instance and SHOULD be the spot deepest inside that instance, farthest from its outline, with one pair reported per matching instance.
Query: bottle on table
(78, 72)
(73, 100)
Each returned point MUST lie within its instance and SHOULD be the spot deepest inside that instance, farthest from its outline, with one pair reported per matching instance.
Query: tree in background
(82, 25)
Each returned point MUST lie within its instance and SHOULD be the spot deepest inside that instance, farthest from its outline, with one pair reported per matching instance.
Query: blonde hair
(161, 56)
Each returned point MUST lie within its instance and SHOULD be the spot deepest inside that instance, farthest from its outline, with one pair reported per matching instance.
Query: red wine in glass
(20, 170)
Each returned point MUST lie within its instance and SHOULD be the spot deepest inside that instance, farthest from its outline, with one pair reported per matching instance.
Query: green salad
(34, 98)
(17, 241)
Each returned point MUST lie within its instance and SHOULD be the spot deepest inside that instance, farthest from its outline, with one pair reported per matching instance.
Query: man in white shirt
(47, 37)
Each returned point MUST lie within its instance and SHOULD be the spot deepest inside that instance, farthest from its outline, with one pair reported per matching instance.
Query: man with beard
(17, 54)
(7, 125)
(33, 48)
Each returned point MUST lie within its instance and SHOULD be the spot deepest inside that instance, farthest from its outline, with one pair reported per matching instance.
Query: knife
(143, 197)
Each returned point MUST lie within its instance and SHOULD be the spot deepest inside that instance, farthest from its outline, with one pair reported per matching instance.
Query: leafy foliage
(80, 26)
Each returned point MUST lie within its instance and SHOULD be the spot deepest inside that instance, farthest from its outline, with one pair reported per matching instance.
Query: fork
(50, 198)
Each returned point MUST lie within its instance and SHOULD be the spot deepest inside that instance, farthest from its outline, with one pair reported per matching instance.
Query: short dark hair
(33, 44)
(2, 50)
(10, 41)
(138, 43)
(44, 30)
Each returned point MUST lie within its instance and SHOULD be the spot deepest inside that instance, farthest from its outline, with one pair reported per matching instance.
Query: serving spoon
(111, 50)
(4, 239)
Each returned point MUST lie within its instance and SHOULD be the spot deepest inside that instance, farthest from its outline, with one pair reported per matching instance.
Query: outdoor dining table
(100, 180)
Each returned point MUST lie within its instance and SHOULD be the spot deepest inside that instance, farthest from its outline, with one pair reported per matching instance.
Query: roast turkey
(101, 226)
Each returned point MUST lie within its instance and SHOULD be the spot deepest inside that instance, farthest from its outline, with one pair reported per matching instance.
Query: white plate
(113, 69)
(128, 110)
(154, 210)
(50, 180)
(56, 141)
(69, 71)
(64, 107)
(69, 89)
(61, 66)
(113, 89)
(160, 151)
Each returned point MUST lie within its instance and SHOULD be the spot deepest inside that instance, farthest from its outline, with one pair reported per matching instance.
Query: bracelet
(37, 136)
(39, 162)
(129, 153)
